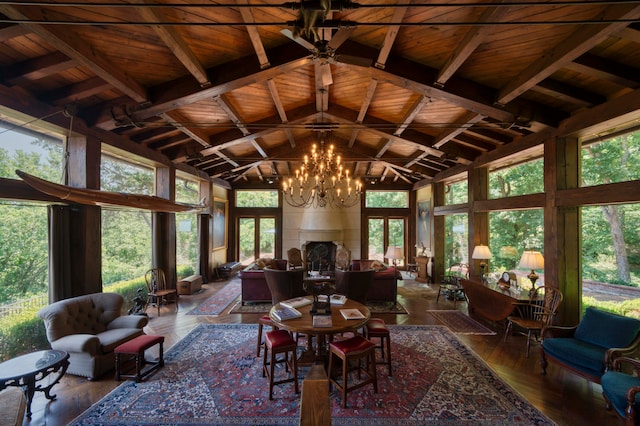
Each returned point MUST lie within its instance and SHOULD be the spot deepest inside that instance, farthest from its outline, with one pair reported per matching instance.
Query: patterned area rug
(374, 307)
(213, 377)
(460, 323)
(217, 303)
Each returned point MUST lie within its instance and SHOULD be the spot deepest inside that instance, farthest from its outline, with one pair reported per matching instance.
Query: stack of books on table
(283, 313)
(351, 314)
(296, 302)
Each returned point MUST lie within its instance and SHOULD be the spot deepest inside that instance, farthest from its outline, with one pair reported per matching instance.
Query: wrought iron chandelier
(322, 181)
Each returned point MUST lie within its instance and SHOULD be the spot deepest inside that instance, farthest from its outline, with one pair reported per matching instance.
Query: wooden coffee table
(26, 370)
(304, 325)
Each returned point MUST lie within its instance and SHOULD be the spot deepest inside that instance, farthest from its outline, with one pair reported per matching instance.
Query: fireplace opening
(320, 255)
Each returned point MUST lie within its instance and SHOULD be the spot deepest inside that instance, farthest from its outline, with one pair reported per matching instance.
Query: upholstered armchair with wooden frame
(621, 390)
(530, 317)
(588, 349)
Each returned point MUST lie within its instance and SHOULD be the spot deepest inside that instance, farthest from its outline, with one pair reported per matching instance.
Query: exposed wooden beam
(254, 36)
(77, 49)
(37, 68)
(277, 102)
(566, 93)
(75, 92)
(390, 36)
(464, 122)
(606, 69)
(579, 42)
(9, 31)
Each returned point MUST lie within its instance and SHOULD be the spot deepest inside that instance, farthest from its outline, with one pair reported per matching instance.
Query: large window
(456, 247)
(24, 257)
(126, 234)
(456, 192)
(512, 232)
(387, 217)
(387, 199)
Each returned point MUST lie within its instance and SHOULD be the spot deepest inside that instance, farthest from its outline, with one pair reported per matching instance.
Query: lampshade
(394, 252)
(481, 252)
(531, 260)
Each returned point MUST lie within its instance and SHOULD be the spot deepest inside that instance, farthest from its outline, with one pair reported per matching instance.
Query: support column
(164, 227)
(478, 221)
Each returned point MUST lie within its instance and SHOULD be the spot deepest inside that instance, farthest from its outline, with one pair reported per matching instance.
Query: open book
(351, 314)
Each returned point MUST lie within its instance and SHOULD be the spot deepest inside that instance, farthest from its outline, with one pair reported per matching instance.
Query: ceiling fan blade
(325, 74)
(340, 37)
(302, 42)
(353, 60)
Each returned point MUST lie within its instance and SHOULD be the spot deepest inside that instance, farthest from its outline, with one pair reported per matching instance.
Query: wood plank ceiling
(413, 88)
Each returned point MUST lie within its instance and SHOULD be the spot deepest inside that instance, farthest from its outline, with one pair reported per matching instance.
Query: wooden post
(315, 408)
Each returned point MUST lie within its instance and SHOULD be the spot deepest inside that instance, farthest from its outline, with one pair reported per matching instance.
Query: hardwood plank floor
(564, 397)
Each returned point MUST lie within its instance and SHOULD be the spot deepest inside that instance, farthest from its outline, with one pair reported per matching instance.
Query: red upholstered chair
(280, 342)
(355, 348)
(264, 320)
(376, 328)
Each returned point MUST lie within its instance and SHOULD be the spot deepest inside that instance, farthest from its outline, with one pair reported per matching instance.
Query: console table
(490, 300)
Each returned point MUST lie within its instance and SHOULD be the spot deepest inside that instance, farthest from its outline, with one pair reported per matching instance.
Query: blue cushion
(578, 354)
(615, 386)
(606, 329)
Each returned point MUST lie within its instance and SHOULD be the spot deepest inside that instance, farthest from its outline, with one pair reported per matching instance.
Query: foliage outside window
(613, 160)
(456, 232)
(521, 179)
(511, 232)
(126, 234)
(387, 199)
(456, 193)
(257, 198)
(187, 191)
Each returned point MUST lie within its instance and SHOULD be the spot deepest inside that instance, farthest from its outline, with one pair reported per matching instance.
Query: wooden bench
(190, 284)
(229, 269)
(315, 407)
(135, 350)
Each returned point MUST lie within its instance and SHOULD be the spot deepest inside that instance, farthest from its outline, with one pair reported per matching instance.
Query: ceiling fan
(325, 52)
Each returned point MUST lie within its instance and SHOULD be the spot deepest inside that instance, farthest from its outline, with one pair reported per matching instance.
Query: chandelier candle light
(322, 180)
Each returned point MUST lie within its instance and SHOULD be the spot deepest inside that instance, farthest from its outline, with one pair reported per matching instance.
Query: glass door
(257, 238)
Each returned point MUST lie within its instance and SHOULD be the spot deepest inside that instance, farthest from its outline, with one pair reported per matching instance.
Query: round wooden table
(305, 326)
(26, 370)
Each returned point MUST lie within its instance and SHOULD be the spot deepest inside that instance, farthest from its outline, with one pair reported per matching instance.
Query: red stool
(135, 349)
(354, 348)
(279, 342)
(376, 328)
(264, 320)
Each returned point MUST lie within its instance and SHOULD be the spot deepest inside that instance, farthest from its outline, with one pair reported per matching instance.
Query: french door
(382, 232)
(257, 238)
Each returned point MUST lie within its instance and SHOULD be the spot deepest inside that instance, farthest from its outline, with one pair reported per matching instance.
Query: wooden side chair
(621, 391)
(159, 294)
(530, 317)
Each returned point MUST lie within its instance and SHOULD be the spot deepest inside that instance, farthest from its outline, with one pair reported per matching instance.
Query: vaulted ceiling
(404, 90)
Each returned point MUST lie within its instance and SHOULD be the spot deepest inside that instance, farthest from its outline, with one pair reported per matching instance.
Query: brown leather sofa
(254, 284)
(385, 280)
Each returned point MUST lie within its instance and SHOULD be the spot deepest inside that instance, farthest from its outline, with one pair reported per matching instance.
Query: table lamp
(532, 260)
(482, 253)
(394, 253)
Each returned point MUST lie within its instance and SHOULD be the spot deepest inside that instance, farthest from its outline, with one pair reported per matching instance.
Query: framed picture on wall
(219, 223)
(423, 223)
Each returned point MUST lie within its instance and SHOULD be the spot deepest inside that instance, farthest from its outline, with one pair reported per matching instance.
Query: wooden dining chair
(530, 317)
(159, 294)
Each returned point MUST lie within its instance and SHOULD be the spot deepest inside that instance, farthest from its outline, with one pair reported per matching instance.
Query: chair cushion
(615, 385)
(279, 339)
(606, 329)
(139, 344)
(376, 327)
(579, 354)
(352, 346)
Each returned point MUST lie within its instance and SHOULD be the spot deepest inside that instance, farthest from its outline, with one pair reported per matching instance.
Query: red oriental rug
(213, 377)
(216, 304)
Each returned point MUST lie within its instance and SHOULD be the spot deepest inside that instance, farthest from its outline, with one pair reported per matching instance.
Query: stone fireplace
(320, 255)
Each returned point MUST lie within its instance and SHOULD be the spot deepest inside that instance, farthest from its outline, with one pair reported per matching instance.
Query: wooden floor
(566, 398)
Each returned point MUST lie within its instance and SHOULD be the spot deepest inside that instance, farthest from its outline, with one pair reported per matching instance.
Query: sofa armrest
(128, 321)
(88, 343)
(613, 353)
(557, 331)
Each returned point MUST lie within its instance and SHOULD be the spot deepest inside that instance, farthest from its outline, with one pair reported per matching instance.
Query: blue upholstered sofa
(589, 348)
